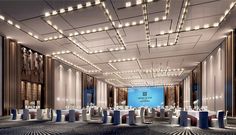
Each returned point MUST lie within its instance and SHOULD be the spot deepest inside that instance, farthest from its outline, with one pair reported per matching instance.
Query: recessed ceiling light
(206, 26)
(127, 4)
(120, 25)
(197, 27)
(99, 29)
(187, 28)
(30, 33)
(2, 17)
(149, 0)
(10, 22)
(62, 10)
(141, 22)
(88, 4)
(164, 17)
(17, 26)
(47, 14)
(97, 2)
(60, 31)
(156, 19)
(127, 24)
(226, 12)
(79, 6)
(152, 46)
(35, 36)
(106, 28)
(138, 2)
(54, 12)
(82, 32)
(221, 18)
(216, 24)
(134, 23)
(55, 27)
(94, 30)
(70, 8)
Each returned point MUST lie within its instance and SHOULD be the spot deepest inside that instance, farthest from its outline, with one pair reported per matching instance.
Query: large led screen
(146, 96)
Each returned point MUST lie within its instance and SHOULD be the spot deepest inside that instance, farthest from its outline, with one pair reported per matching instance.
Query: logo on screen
(144, 93)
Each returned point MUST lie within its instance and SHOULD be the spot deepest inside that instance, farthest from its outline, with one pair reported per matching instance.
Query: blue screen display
(146, 96)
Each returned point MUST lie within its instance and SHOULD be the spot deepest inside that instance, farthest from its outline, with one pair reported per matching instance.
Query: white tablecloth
(196, 113)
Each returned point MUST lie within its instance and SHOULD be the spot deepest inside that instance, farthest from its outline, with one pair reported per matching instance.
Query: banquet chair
(71, 115)
(54, 116)
(184, 120)
(116, 117)
(85, 116)
(39, 114)
(173, 119)
(13, 114)
(225, 118)
(138, 119)
(26, 115)
(131, 117)
(219, 120)
(162, 113)
(106, 118)
(153, 113)
(142, 115)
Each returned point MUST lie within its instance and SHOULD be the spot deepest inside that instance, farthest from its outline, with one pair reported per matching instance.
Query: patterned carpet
(158, 128)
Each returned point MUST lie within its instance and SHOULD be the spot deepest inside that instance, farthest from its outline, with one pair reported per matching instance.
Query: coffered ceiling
(123, 42)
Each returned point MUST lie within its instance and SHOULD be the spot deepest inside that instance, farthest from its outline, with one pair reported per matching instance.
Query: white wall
(187, 92)
(101, 94)
(115, 96)
(67, 86)
(213, 80)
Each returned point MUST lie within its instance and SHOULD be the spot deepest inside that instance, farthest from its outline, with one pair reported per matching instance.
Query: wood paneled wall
(11, 81)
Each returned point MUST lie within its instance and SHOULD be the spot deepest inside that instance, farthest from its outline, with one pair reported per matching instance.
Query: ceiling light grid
(127, 24)
(77, 55)
(227, 11)
(179, 28)
(69, 37)
(197, 27)
(122, 60)
(146, 24)
(69, 63)
(55, 27)
(85, 60)
(72, 8)
(112, 66)
(17, 26)
(110, 81)
(107, 13)
(152, 70)
(78, 67)
(61, 52)
(137, 3)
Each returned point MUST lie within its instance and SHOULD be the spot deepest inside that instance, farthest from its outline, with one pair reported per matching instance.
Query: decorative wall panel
(171, 95)
(110, 96)
(11, 74)
(213, 80)
(196, 93)
(122, 96)
(67, 86)
(187, 89)
(89, 90)
(101, 94)
(31, 66)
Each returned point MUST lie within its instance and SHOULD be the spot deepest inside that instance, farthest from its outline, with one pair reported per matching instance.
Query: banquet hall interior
(124, 67)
